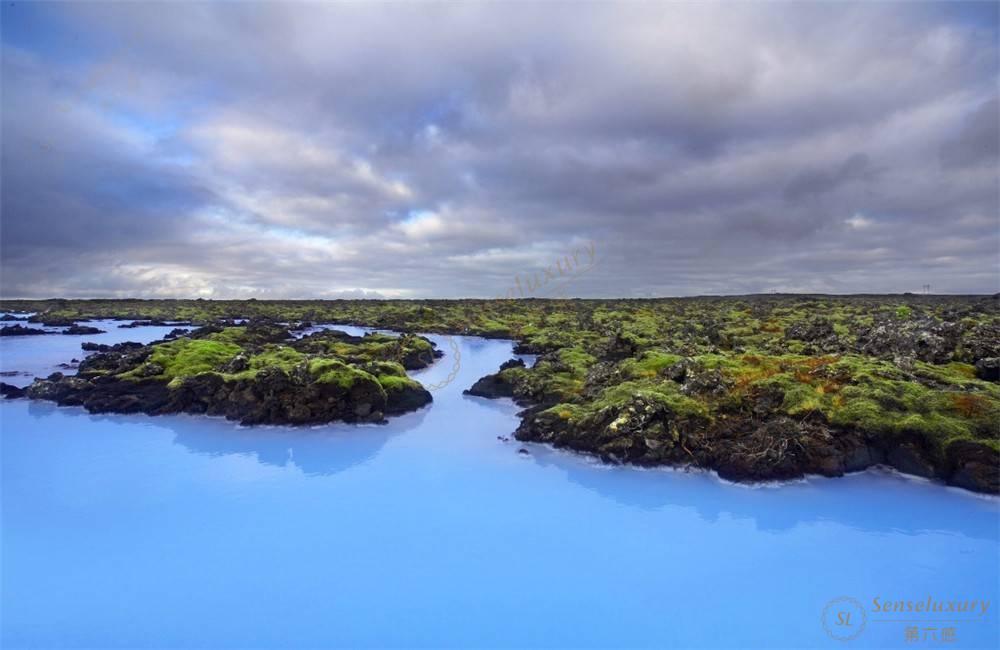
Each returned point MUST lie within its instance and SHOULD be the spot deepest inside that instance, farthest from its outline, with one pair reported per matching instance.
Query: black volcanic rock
(82, 330)
(11, 392)
(988, 368)
(21, 330)
(255, 374)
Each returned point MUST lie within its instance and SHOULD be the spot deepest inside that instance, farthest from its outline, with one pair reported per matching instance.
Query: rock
(988, 368)
(705, 383)
(82, 330)
(619, 346)
(407, 398)
(415, 359)
(149, 370)
(143, 323)
(116, 358)
(121, 378)
(908, 458)
(862, 457)
(175, 333)
(678, 372)
(817, 329)
(524, 347)
(523, 452)
(491, 386)
(239, 363)
(21, 330)
(57, 388)
(51, 321)
(11, 392)
(512, 363)
(982, 341)
(974, 466)
(925, 339)
(599, 376)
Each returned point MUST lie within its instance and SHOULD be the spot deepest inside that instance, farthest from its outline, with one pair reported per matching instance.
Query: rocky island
(756, 388)
(257, 374)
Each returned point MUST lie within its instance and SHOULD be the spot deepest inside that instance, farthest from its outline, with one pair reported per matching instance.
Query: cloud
(978, 140)
(293, 150)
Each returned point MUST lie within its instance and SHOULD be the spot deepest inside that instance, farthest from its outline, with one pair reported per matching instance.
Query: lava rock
(909, 459)
(21, 330)
(817, 329)
(491, 386)
(82, 330)
(988, 369)
(927, 340)
(974, 466)
(11, 392)
(512, 363)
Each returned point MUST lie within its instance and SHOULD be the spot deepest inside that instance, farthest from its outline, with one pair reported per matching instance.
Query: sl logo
(844, 618)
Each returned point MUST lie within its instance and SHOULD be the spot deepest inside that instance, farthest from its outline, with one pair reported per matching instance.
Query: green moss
(718, 361)
(333, 371)
(186, 357)
(649, 364)
(802, 398)
(664, 392)
(281, 356)
(394, 383)
(385, 369)
(579, 360)
(568, 411)
(228, 335)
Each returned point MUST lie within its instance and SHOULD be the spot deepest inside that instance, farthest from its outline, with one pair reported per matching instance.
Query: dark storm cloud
(813, 183)
(283, 150)
(978, 141)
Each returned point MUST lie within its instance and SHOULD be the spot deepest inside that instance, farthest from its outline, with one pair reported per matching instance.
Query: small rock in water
(11, 392)
(523, 451)
(20, 330)
(82, 330)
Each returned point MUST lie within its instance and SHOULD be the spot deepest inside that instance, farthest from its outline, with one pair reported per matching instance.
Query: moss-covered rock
(256, 374)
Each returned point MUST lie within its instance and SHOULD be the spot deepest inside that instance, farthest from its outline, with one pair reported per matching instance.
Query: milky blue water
(182, 531)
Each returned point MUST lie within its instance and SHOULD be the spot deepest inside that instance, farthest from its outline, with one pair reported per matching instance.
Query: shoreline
(599, 398)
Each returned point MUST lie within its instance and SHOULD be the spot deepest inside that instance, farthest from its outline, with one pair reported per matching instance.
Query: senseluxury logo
(844, 618)
(929, 619)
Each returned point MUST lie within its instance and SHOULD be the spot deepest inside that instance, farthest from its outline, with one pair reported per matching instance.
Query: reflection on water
(186, 531)
(316, 452)
(866, 501)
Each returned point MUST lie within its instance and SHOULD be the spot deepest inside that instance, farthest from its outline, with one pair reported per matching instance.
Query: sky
(283, 150)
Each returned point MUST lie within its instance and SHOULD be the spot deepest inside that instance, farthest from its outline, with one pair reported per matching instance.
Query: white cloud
(858, 222)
